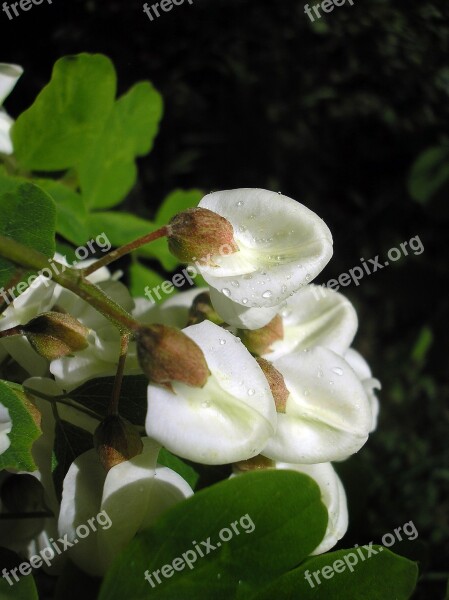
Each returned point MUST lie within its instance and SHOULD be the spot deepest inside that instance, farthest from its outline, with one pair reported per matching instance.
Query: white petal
(5, 428)
(358, 363)
(328, 416)
(229, 419)
(19, 348)
(333, 497)
(363, 371)
(5, 133)
(239, 315)
(313, 318)
(9, 74)
(282, 246)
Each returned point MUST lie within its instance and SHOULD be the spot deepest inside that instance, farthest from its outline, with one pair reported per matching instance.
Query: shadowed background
(334, 114)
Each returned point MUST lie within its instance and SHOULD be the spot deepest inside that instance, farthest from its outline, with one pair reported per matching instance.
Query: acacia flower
(227, 420)
(9, 75)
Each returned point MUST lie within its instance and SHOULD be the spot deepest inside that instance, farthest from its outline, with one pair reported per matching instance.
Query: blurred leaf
(24, 430)
(28, 217)
(108, 171)
(121, 227)
(279, 518)
(171, 461)
(422, 345)
(96, 393)
(384, 576)
(24, 589)
(68, 115)
(142, 277)
(429, 173)
(70, 442)
(71, 213)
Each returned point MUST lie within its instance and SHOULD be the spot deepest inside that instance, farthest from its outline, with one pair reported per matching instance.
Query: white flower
(333, 497)
(5, 428)
(9, 74)
(229, 419)
(328, 415)
(363, 371)
(316, 317)
(133, 494)
(282, 246)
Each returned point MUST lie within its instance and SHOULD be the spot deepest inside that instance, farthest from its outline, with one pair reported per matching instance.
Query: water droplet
(226, 292)
(240, 203)
(288, 277)
(284, 289)
(337, 371)
(308, 277)
(331, 382)
(205, 404)
(252, 217)
(244, 300)
(286, 313)
(249, 276)
(235, 283)
(320, 373)
(267, 294)
(242, 228)
(251, 392)
(222, 342)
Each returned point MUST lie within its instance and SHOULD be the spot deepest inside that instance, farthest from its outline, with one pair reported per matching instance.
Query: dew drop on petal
(226, 292)
(251, 392)
(267, 294)
(337, 371)
(320, 373)
(235, 283)
(205, 404)
(244, 300)
(331, 382)
(284, 288)
(222, 342)
(240, 203)
(280, 193)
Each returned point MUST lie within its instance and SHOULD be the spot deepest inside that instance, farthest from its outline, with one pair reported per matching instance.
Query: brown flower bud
(202, 310)
(259, 341)
(200, 233)
(116, 440)
(276, 383)
(54, 335)
(257, 463)
(166, 354)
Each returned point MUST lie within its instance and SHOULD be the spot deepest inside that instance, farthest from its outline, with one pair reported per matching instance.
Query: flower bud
(202, 310)
(257, 463)
(116, 440)
(276, 383)
(166, 354)
(199, 232)
(54, 335)
(259, 341)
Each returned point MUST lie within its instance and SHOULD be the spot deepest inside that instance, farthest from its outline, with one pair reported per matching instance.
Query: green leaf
(142, 277)
(279, 518)
(24, 431)
(171, 461)
(108, 171)
(70, 442)
(24, 589)
(121, 227)
(96, 393)
(71, 214)
(68, 115)
(377, 577)
(28, 216)
(429, 173)
(422, 344)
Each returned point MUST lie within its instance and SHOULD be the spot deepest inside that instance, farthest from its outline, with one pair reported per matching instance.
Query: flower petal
(239, 315)
(282, 246)
(9, 75)
(328, 416)
(229, 419)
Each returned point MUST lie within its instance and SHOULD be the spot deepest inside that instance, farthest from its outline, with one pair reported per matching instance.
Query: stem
(115, 398)
(11, 332)
(71, 279)
(126, 249)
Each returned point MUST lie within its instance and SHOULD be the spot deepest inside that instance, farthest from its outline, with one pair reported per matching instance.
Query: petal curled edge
(316, 316)
(282, 246)
(333, 497)
(328, 415)
(229, 419)
(239, 315)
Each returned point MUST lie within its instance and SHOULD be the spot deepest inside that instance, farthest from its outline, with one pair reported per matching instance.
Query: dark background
(333, 114)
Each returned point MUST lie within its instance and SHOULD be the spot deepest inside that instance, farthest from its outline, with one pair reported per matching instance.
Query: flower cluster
(252, 371)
